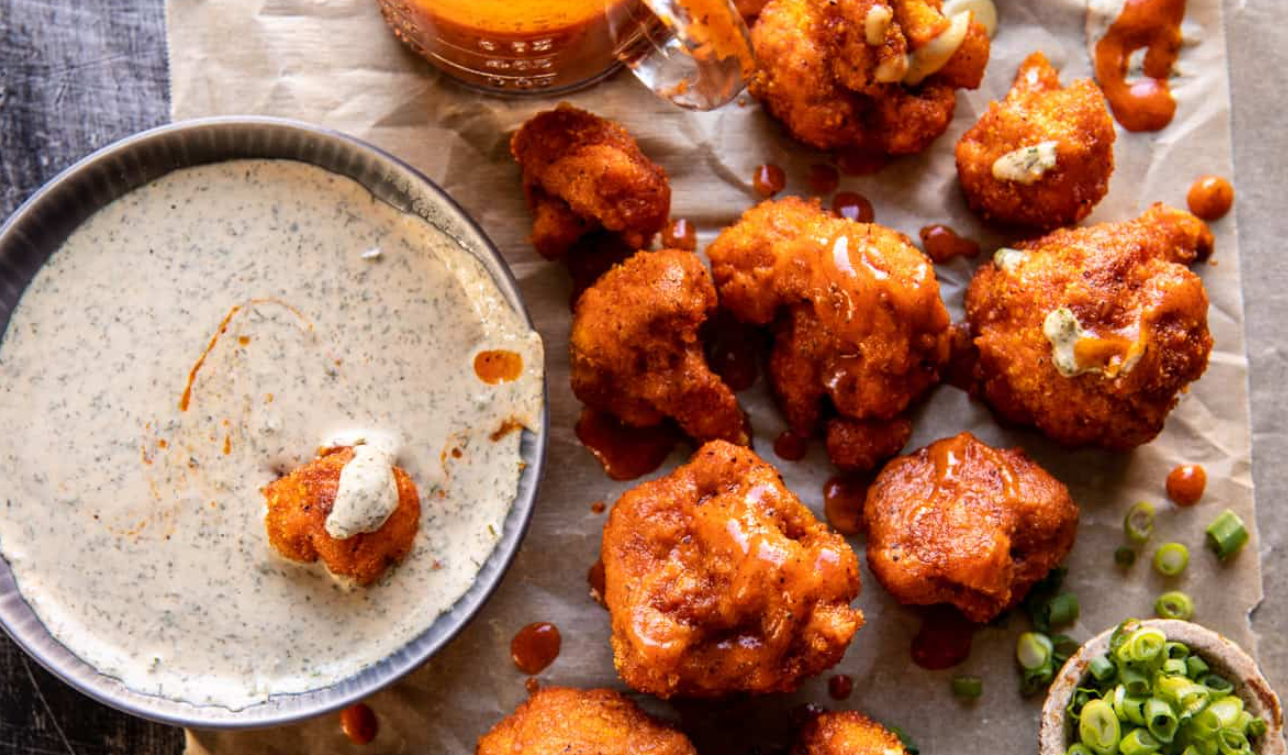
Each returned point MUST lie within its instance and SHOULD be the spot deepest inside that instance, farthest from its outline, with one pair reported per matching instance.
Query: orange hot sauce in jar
(520, 46)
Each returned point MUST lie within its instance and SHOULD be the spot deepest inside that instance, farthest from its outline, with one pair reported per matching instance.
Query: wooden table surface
(76, 75)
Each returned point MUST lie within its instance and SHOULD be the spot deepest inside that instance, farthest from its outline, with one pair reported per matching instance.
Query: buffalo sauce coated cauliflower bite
(1091, 334)
(718, 580)
(582, 173)
(847, 732)
(879, 76)
(1043, 157)
(963, 523)
(858, 323)
(300, 503)
(636, 352)
(562, 721)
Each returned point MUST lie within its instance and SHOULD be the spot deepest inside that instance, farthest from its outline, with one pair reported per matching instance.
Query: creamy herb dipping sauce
(135, 527)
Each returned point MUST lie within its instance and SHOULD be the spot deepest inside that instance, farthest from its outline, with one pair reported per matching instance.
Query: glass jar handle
(697, 53)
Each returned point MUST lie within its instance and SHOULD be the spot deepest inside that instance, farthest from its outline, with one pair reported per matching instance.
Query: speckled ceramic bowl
(1225, 658)
(40, 226)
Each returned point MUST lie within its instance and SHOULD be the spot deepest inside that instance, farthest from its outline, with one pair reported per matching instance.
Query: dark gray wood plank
(74, 76)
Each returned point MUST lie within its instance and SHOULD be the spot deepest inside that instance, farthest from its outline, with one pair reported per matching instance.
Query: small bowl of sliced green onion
(1161, 686)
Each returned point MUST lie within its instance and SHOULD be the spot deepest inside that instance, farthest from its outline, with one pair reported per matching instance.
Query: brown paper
(334, 63)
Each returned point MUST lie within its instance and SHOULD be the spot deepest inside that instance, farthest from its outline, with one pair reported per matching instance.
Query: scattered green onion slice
(968, 687)
(1138, 742)
(1177, 650)
(1218, 685)
(1161, 720)
(1033, 651)
(1098, 728)
(1174, 605)
(1195, 667)
(1063, 609)
(1063, 647)
(1143, 647)
(1124, 556)
(1138, 525)
(1102, 669)
(1171, 559)
(1227, 535)
(1257, 727)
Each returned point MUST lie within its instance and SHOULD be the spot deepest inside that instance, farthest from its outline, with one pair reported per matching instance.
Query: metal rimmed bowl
(39, 228)
(1225, 658)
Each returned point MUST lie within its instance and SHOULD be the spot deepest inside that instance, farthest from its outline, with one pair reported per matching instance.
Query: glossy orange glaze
(822, 179)
(734, 350)
(840, 687)
(680, 234)
(498, 366)
(1210, 197)
(790, 446)
(843, 503)
(626, 453)
(359, 723)
(535, 647)
(531, 685)
(944, 639)
(1147, 103)
(768, 180)
(1185, 484)
(949, 454)
(942, 243)
(852, 206)
(228, 444)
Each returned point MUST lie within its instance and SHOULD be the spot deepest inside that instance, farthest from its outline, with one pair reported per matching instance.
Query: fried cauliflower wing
(846, 732)
(562, 721)
(1091, 334)
(1043, 157)
(858, 323)
(878, 76)
(582, 173)
(636, 351)
(718, 580)
(963, 523)
(298, 505)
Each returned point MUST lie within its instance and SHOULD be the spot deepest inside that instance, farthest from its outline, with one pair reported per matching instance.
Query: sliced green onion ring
(968, 687)
(1033, 651)
(1138, 742)
(1195, 667)
(1174, 605)
(1161, 720)
(1063, 609)
(1171, 559)
(1177, 650)
(1227, 535)
(1138, 525)
(1098, 728)
(1102, 669)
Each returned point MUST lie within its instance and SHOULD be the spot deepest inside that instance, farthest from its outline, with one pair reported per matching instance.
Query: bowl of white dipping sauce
(188, 315)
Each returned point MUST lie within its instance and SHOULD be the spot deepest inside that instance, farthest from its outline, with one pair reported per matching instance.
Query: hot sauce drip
(498, 366)
(1145, 104)
(852, 206)
(535, 647)
(1210, 197)
(822, 179)
(680, 234)
(843, 503)
(359, 724)
(186, 398)
(733, 350)
(944, 639)
(1185, 484)
(791, 446)
(595, 578)
(840, 687)
(768, 180)
(625, 452)
(598, 507)
(942, 244)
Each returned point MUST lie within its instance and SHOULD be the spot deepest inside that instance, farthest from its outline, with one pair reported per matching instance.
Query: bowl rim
(1222, 653)
(106, 173)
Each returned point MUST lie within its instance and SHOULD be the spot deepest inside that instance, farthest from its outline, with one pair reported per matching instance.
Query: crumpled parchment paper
(332, 62)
